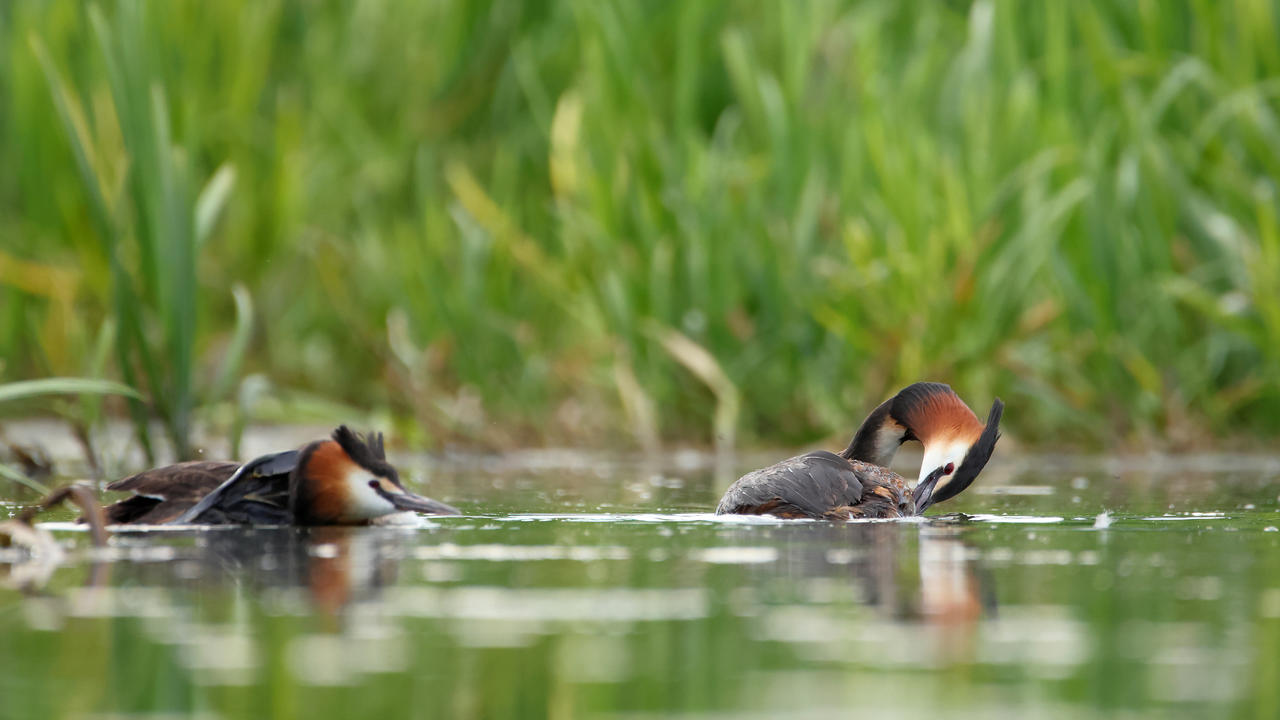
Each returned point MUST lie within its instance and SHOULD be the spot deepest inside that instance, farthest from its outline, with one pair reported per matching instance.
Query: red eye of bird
(947, 470)
(374, 483)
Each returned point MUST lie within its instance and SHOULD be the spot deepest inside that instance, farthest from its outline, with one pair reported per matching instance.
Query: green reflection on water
(1025, 610)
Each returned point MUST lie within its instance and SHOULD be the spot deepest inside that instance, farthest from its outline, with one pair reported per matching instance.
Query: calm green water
(596, 588)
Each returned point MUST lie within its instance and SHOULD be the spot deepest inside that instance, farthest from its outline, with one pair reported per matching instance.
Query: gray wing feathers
(259, 490)
(200, 477)
(807, 485)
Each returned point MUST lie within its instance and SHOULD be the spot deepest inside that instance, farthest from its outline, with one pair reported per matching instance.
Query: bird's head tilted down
(956, 443)
(347, 480)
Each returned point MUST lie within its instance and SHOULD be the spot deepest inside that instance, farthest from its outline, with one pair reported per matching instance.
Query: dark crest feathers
(918, 393)
(367, 451)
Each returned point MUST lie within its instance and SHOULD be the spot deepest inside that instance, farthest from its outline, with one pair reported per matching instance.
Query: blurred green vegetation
(592, 221)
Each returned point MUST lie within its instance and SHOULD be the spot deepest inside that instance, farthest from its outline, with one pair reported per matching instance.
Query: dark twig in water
(45, 554)
(79, 494)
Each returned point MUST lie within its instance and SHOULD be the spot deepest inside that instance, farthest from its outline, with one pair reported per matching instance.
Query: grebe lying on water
(857, 483)
(345, 480)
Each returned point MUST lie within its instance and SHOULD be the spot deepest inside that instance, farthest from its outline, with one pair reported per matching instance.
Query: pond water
(601, 587)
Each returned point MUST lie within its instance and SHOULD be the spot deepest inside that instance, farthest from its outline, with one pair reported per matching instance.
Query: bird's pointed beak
(417, 503)
(923, 492)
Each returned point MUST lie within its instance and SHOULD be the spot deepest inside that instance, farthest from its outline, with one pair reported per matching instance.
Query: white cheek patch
(939, 456)
(366, 503)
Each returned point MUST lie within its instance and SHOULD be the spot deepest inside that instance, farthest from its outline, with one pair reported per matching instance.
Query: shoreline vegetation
(587, 223)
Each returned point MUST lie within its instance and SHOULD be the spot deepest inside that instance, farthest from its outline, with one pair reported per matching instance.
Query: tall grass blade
(27, 389)
(213, 198)
(704, 366)
(233, 358)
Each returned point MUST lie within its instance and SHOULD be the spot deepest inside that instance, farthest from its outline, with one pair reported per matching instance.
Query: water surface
(600, 587)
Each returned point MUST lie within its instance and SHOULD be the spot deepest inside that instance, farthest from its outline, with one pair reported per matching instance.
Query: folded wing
(808, 486)
(256, 493)
(161, 494)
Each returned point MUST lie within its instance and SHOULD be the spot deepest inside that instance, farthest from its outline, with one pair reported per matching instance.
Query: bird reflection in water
(955, 591)
(348, 564)
(332, 566)
(928, 578)
(320, 570)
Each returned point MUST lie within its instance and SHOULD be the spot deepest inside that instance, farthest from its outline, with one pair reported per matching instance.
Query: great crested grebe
(345, 480)
(857, 483)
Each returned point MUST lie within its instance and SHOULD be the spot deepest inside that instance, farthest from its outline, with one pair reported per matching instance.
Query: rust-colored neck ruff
(933, 412)
(322, 494)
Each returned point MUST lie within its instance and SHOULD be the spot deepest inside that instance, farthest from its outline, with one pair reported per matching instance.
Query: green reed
(494, 217)
(143, 207)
